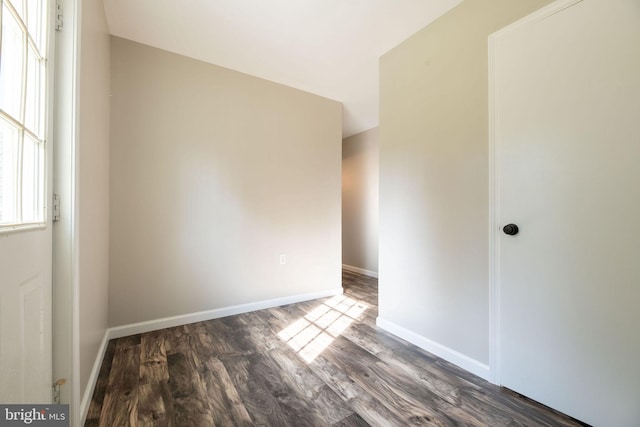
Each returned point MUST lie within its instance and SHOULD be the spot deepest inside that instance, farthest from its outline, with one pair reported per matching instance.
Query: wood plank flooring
(317, 363)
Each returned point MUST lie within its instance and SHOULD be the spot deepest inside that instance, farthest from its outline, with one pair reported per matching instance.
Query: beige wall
(93, 184)
(360, 201)
(214, 174)
(434, 177)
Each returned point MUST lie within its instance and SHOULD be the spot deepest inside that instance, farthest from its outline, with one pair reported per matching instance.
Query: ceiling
(326, 47)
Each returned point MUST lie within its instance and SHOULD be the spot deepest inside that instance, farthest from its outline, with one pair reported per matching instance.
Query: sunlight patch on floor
(313, 333)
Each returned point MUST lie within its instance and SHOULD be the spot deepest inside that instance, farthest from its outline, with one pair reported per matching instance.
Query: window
(23, 45)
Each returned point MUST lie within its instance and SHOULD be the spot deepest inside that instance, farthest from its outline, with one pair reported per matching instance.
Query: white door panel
(25, 317)
(568, 125)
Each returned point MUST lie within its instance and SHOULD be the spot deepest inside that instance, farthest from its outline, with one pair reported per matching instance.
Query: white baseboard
(465, 362)
(360, 270)
(93, 378)
(168, 322)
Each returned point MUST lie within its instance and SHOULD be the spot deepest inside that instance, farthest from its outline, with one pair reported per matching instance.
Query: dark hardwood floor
(317, 363)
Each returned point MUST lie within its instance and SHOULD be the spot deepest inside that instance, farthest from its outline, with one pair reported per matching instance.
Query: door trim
(66, 351)
(494, 43)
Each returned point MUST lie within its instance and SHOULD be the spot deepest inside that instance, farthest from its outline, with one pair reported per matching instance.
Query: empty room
(320, 213)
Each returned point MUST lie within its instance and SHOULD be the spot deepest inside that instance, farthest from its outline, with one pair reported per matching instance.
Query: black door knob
(510, 229)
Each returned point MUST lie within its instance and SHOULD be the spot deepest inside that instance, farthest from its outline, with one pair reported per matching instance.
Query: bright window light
(312, 334)
(22, 112)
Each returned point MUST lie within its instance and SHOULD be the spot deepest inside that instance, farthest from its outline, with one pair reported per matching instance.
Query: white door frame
(66, 351)
(494, 179)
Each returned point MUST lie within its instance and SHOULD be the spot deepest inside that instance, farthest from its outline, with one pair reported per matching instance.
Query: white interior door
(566, 95)
(25, 226)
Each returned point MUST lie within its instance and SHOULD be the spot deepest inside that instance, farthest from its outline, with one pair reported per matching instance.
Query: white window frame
(44, 167)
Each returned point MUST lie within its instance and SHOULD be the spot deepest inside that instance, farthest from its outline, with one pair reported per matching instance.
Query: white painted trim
(360, 270)
(93, 377)
(444, 352)
(495, 219)
(169, 322)
(76, 29)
